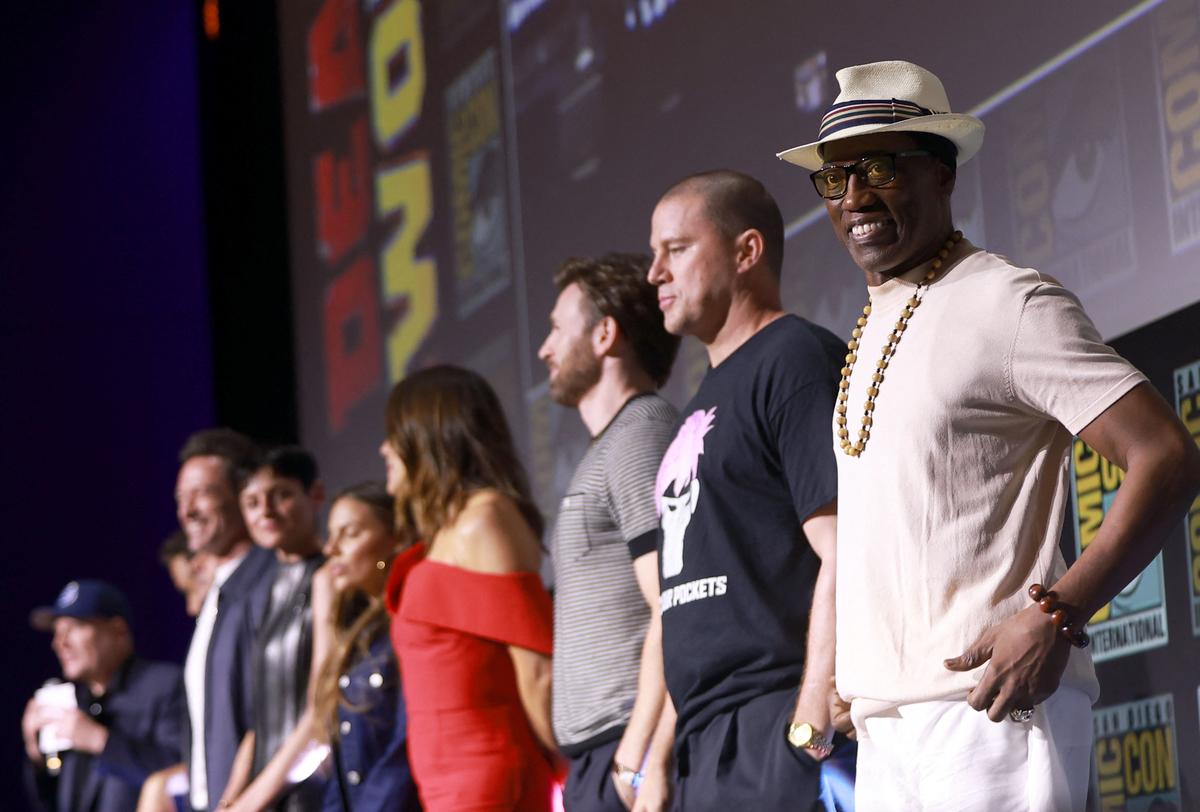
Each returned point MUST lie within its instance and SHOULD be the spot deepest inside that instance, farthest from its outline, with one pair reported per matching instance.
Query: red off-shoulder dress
(470, 743)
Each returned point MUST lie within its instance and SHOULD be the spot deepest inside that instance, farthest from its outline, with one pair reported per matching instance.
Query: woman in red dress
(471, 620)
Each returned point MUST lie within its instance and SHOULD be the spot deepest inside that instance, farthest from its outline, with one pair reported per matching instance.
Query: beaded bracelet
(1047, 601)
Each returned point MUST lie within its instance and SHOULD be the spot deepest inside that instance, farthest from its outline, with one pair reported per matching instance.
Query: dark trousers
(589, 781)
(742, 760)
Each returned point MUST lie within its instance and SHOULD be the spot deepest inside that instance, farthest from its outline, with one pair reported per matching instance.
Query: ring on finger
(1021, 715)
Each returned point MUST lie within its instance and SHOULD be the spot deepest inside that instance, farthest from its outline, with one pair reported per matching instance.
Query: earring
(380, 565)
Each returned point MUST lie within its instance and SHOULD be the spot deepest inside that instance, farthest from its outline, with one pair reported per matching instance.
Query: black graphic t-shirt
(751, 459)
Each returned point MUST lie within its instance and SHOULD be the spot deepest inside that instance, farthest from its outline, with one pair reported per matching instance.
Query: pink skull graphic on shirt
(677, 474)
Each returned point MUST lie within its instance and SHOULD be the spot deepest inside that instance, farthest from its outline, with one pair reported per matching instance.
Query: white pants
(946, 756)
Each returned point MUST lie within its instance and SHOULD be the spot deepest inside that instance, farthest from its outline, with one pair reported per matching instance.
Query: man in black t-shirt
(746, 495)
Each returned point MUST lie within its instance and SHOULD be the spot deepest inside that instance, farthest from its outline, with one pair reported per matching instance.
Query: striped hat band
(856, 113)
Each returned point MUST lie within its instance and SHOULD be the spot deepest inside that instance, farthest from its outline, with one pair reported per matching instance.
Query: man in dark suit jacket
(217, 675)
(125, 719)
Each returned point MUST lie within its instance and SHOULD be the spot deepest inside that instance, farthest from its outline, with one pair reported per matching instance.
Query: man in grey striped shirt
(608, 353)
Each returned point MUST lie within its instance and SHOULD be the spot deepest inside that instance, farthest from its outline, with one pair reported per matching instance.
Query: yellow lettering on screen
(1094, 478)
(1179, 60)
(395, 36)
(1149, 762)
(1111, 784)
(470, 128)
(1163, 748)
(405, 190)
(1185, 162)
(1089, 482)
(478, 121)
(1091, 515)
(1182, 103)
(1152, 775)
(1133, 771)
(1110, 476)
(1189, 413)
(1182, 52)
(1086, 460)
(1194, 538)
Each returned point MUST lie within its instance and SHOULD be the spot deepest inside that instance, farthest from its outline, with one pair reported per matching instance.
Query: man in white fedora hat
(961, 643)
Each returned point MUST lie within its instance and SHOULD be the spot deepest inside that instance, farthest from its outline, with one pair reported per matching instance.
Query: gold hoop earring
(380, 565)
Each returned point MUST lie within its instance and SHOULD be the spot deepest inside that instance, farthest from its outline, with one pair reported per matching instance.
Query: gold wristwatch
(805, 736)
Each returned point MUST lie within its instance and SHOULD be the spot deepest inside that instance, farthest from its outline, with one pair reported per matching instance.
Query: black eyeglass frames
(832, 181)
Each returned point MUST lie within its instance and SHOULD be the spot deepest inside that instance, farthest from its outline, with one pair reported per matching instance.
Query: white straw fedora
(889, 97)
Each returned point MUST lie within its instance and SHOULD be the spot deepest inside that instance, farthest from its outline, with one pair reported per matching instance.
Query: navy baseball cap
(86, 599)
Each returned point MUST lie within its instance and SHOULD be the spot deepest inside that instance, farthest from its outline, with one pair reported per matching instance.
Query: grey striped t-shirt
(605, 520)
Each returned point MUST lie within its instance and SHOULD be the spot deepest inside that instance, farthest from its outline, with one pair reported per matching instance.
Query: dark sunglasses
(832, 181)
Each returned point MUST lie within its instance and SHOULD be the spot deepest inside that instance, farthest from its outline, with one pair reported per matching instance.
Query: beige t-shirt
(956, 505)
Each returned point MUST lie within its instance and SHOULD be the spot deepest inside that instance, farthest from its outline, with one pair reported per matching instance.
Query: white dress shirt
(193, 679)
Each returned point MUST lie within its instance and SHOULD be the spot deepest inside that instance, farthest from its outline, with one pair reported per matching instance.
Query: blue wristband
(627, 775)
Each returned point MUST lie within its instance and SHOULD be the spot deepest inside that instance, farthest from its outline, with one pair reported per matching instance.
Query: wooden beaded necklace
(855, 448)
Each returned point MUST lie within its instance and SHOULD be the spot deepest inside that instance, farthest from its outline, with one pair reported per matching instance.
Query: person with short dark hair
(614, 287)
(238, 455)
(121, 720)
(218, 673)
(960, 629)
(746, 499)
(280, 503)
(191, 573)
(175, 557)
(734, 203)
(608, 353)
(174, 546)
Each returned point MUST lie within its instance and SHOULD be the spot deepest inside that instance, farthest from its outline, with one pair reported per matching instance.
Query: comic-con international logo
(1136, 619)
(1071, 197)
(1177, 60)
(1187, 406)
(478, 190)
(1137, 766)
